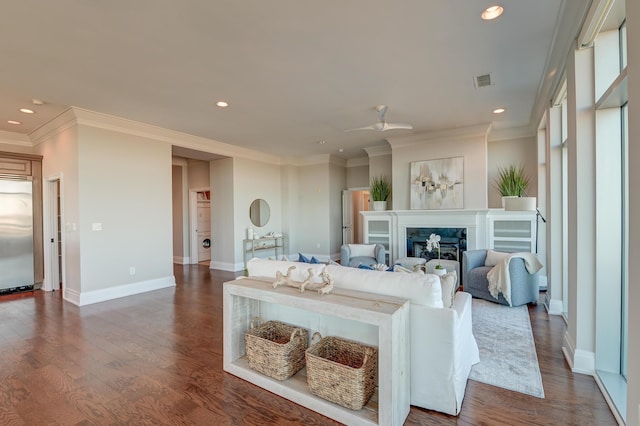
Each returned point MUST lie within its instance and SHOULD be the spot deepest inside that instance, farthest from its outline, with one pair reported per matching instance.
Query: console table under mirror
(253, 245)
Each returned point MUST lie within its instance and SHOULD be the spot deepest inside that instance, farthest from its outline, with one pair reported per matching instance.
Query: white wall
(223, 254)
(198, 173)
(505, 153)
(313, 203)
(633, 57)
(469, 143)
(59, 150)
(358, 176)
(337, 183)
(130, 196)
(177, 195)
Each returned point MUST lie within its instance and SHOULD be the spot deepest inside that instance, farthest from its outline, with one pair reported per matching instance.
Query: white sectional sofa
(443, 348)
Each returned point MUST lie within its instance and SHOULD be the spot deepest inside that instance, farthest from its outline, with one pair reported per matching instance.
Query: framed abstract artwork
(437, 184)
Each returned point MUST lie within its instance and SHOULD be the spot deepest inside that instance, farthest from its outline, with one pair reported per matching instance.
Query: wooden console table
(265, 243)
(245, 299)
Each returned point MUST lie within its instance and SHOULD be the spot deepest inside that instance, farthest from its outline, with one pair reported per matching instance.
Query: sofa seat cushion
(477, 277)
(365, 260)
(420, 289)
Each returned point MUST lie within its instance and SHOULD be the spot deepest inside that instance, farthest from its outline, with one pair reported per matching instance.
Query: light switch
(96, 226)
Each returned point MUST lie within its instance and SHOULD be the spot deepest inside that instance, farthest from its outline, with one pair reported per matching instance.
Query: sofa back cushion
(362, 250)
(267, 268)
(420, 289)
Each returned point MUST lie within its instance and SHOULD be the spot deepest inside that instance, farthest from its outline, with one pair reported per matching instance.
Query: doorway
(353, 202)
(54, 237)
(200, 224)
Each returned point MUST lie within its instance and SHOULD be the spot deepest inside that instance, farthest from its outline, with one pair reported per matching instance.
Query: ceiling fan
(382, 124)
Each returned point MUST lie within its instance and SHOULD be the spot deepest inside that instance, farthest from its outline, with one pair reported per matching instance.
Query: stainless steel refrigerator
(16, 235)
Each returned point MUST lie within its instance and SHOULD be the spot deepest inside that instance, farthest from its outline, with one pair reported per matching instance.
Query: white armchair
(366, 254)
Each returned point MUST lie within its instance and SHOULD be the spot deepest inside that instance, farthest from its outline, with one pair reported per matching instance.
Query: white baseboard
(96, 296)
(181, 260)
(227, 266)
(580, 361)
(554, 306)
(542, 282)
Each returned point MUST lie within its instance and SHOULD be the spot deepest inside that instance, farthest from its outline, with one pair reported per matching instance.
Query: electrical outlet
(132, 270)
(96, 226)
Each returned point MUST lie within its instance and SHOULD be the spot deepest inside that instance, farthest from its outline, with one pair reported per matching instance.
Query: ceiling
(294, 72)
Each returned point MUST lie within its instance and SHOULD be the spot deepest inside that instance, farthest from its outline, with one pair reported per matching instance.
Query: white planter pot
(439, 272)
(520, 203)
(379, 205)
(505, 198)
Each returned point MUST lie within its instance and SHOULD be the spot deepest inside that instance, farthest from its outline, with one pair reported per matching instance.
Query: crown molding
(378, 151)
(313, 160)
(58, 124)
(12, 138)
(458, 133)
(79, 116)
(358, 162)
(568, 25)
(522, 132)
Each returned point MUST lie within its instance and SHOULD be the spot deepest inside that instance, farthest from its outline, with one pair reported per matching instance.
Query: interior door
(347, 216)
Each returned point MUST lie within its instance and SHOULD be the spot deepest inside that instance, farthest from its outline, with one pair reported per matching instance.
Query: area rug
(508, 356)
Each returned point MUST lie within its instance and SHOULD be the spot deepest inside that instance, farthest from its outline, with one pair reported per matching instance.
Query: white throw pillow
(360, 250)
(495, 257)
(449, 283)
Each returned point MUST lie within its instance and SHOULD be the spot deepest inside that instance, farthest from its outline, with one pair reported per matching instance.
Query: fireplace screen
(453, 241)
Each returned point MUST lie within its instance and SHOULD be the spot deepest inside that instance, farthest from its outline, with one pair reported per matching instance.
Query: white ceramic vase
(440, 271)
(379, 205)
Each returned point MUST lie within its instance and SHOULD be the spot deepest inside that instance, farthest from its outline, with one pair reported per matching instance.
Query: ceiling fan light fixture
(492, 12)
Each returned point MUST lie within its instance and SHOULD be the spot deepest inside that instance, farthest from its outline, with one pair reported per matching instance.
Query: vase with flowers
(434, 243)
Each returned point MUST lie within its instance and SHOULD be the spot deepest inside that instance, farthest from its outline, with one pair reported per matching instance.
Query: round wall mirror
(259, 212)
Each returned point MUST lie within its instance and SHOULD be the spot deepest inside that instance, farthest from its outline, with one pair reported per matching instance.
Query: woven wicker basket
(276, 349)
(342, 371)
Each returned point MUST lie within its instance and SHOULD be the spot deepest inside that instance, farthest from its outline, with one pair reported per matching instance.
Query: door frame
(53, 275)
(193, 222)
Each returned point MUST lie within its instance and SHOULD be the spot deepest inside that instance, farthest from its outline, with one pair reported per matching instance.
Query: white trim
(358, 162)
(181, 260)
(47, 217)
(227, 266)
(96, 296)
(609, 400)
(554, 306)
(512, 133)
(12, 138)
(378, 151)
(457, 134)
(580, 361)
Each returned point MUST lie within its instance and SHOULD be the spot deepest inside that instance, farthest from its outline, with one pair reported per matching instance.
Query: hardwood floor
(156, 358)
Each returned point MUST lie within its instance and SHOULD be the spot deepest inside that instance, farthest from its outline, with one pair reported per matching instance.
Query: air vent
(482, 80)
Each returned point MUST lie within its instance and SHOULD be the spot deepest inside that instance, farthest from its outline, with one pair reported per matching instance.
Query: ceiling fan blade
(376, 126)
(397, 126)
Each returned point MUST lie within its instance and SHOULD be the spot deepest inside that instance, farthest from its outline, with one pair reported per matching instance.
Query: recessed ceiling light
(37, 102)
(27, 110)
(492, 12)
(222, 104)
(499, 110)
(340, 150)
(14, 122)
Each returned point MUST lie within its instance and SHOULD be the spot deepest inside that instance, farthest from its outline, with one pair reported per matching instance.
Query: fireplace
(453, 241)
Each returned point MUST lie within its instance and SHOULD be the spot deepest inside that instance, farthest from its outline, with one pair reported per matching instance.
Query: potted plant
(380, 189)
(434, 243)
(512, 184)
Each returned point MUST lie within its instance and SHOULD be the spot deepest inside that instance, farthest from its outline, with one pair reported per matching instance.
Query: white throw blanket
(498, 276)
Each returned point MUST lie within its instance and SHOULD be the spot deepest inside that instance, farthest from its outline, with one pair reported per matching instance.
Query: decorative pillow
(314, 260)
(494, 257)
(449, 284)
(362, 250)
(363, 266)
(400, 268)
(303, 258)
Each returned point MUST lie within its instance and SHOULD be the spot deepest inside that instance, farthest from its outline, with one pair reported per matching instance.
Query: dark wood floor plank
(156, 358)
